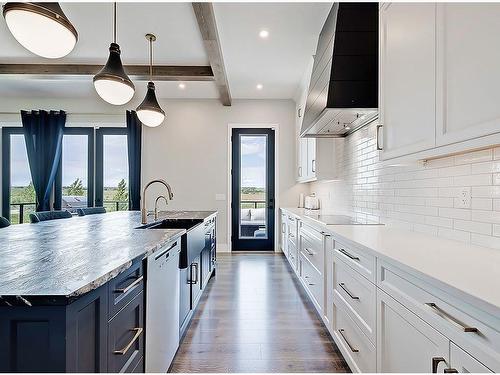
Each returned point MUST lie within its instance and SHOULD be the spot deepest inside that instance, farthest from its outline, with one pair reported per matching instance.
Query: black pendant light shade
(41, 28)
(112, 83)
(149, 111)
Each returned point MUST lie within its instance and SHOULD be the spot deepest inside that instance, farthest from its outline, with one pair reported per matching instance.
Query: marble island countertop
(59, 260)
(468, 271)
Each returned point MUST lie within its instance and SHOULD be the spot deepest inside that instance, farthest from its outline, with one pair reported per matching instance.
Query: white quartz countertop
(467, 271)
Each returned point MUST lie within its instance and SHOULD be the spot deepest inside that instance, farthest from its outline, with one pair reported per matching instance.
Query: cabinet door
(407, 78)
(284, 239)
(302, 160)
(405, 343)
(468, 74)
(461, 361)
(311, 158)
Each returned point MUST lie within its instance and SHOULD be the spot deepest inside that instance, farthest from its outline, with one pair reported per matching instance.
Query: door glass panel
(115, 172)
(253, 182)
(22, 193)
(74, 172)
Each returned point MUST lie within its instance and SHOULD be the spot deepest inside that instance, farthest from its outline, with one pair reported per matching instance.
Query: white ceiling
(277, 62)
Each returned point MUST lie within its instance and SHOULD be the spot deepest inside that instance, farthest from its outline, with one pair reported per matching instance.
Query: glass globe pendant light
(41, 28)
(149, 111)
(112, 83)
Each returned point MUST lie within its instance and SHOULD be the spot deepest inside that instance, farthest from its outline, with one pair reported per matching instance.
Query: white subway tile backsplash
(482, 203)
(473, 226)
(423, 197)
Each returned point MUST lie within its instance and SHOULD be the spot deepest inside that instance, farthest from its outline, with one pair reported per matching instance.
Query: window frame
(6, 146)
(99, 157)
(89, 132)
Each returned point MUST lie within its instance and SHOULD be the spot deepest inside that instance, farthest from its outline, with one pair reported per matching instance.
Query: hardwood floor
(255, 317)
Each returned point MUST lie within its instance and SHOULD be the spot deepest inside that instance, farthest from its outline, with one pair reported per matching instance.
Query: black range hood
(343, 91)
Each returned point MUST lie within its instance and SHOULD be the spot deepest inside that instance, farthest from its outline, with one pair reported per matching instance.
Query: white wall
(423, 198)
(189, 149)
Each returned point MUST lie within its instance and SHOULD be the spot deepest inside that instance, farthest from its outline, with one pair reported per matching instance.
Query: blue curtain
(43, 132)
(134, 136)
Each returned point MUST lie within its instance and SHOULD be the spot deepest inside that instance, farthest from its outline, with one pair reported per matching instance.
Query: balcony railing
(19, 212)
(253, 204)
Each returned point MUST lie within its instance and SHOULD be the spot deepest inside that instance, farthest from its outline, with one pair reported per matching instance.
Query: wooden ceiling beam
(77, 71)
(208, 27)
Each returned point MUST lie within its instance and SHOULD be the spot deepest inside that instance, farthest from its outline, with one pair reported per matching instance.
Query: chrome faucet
(156, 204)
(144, 213)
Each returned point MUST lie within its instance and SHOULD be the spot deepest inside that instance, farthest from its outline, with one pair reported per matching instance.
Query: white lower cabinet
(461, 361)
(405, 342)
(356, 348)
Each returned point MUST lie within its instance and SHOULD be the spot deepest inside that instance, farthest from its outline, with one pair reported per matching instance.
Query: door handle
(435, 363)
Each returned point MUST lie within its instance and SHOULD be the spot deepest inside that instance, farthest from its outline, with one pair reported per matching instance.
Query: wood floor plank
(255, 317)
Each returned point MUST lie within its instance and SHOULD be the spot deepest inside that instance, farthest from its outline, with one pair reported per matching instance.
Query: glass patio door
(252, 189)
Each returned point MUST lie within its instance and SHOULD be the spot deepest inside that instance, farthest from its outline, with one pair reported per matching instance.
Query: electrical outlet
(464, 198)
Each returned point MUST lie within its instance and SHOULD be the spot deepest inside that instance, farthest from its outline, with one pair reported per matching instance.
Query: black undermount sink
(186, 224)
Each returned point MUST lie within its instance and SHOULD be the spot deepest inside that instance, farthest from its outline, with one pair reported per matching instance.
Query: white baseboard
(222, 248)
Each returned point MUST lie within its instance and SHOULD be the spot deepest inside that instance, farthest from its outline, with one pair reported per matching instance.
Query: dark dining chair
(37, 217)
(90, 211)
(4, 222)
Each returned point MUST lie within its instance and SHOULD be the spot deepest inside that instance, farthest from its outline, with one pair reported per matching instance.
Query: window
(112, 169)
(75, 178)
(18, 197)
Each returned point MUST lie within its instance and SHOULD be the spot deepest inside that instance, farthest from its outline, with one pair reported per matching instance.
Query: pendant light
(112, 83)
(149, 111)
(41, 28)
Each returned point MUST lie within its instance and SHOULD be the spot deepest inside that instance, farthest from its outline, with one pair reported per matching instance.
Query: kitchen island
(72, 292)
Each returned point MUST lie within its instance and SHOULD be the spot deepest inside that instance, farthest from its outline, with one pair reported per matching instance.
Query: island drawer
(124, 287)
(358, 260)
(126, 337)
(359, 296)
(313, 251)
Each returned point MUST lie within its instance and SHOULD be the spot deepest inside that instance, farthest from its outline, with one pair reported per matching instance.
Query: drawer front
(313, 251)
(123, 288)
(461, 361)
(292, 257)
(357, 349)
(358, 260)
(358, 294)
(126, 337)
(313, 282)
(474, 330)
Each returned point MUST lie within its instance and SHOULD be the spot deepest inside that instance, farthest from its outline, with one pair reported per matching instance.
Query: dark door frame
(89, 132)
(99, 167)
(274, 222)
(6, 133)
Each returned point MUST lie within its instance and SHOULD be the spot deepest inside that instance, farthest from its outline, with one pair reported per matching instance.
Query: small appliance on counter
(311, 202)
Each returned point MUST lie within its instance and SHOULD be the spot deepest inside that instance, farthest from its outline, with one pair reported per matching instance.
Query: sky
(253, 161)
(74, 160)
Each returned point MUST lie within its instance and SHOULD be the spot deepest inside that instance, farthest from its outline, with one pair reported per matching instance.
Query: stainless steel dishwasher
(162, 307)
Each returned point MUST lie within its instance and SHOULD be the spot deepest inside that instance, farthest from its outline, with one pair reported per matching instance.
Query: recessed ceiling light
(182, 86)
(264, 34)
(259, 86)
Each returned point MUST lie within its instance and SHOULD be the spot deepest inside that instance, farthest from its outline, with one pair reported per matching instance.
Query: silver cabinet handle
(299, 112)
(283, 230)
(196, 272)
(313, 165)
(300, 172)
(457, 323)
(379, 147)
(342, 285)
(311, 284)
(138, 333)
(325, 234)
(435, 363)
(348, 255)
(309, 252)
(354, 350)
(130, 286)
(450, 371)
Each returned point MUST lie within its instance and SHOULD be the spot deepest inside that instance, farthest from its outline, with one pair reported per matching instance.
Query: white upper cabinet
(439, 78)
(407, 77)
(468, 71)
